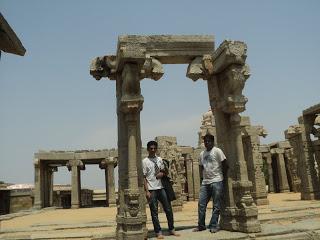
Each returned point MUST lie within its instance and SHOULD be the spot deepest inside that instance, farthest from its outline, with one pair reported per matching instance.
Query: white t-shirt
(212, 165)
(149, 172)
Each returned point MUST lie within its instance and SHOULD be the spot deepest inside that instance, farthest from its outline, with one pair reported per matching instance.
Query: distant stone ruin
(46, 163)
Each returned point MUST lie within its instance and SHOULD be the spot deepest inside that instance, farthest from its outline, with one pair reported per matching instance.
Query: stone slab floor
(286, 217)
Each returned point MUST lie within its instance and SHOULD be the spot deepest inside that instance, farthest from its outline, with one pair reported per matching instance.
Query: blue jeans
(153, 205)
(214, 190)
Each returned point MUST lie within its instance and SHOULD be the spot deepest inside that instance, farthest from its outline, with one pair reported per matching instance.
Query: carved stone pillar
(108, 166)
(226, 100)
(291, 162)
(38, 176)
(254, 162)
(196, 173)
(281, 169)
(75, 166)
(310, 186)
(131, 215)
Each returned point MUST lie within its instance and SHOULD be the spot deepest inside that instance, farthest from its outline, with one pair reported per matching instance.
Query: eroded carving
(104, 66)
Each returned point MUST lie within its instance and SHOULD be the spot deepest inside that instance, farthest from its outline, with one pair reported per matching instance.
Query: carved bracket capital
(231, 82)
(104, 66)
(75, 163)
(151, 68)
(200, 67)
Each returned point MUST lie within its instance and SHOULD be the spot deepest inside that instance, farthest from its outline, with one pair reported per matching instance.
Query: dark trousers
(161, 196)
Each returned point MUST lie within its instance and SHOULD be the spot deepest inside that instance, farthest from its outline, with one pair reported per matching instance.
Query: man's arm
(148, 194)
(201, 173)
(225, 168)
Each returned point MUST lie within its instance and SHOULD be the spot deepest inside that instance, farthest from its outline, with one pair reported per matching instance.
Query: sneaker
(214, 229)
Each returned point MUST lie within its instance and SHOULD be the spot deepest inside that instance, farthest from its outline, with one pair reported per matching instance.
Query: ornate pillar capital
(75, 163)
(200, 67)
(104, 66)
(232, 82)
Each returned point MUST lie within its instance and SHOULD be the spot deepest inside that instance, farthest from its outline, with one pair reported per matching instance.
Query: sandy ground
(102, 219)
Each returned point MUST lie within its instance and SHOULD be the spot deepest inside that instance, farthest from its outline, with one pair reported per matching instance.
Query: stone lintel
(168, 49)
(284, 144)
(92, 155)
(186, 150)
(277, 151)
(54, 155)
(281, 144)
(315, 109)
(86, 156)
(264, 148)
(228, 53)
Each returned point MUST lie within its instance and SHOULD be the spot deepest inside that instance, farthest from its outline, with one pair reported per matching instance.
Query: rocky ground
(286, 217)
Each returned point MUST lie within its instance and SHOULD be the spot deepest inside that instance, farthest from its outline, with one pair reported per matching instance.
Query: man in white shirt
(153, 171)
(213, 167)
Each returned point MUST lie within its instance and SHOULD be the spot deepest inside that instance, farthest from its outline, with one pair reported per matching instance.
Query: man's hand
(159, 175)
(148, 195)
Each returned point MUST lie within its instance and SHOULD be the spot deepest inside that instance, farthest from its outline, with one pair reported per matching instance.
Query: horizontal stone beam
(168, 49)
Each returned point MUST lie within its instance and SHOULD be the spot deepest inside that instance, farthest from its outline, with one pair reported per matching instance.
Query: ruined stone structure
(304, 139)
(225, 71)
(208, 125)
(15, 200)
(251, 142)
(267, 161)
(62, 196)
(46, 163)
(168, 149)
(191, 163)
(278, 164)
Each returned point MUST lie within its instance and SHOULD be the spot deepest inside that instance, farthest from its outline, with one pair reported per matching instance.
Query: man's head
(152, 147)
(208, 140)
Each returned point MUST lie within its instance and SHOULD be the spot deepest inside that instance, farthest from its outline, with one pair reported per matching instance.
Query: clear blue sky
(49, 101)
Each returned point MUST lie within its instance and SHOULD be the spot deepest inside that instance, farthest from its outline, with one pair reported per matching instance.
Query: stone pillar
(281, 169)
(131, 214)
(38, 176)
(291, 163)
(75, 166)
(226, 100)
(310, 187)
(196, 173)
(51, 182)
(190, 178)
(108, 166)
(254, 161)
(270, 172)
(316, 148)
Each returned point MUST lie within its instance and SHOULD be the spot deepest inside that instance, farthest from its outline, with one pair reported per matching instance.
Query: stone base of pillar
(132, 228)
(37, 206)
(262, 201)
(240, 220)
(75, 206)
(310, 196)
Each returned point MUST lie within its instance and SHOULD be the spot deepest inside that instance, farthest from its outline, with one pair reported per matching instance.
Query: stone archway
(225, 72)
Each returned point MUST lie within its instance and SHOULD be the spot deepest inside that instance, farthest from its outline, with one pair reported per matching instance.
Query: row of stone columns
(43, 192)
